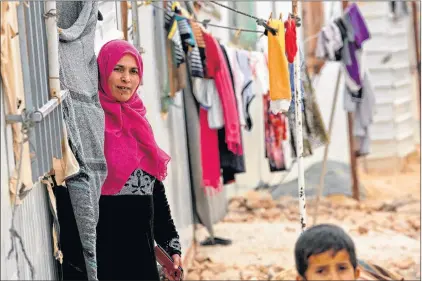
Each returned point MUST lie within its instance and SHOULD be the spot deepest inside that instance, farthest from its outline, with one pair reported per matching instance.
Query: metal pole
(53, 46)
(324, 162)
(299, 137)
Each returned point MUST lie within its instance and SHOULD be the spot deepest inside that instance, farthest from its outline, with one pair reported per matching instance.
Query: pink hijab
(129, 140)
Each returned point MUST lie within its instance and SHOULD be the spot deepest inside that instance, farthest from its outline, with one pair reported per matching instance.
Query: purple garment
(361, 32)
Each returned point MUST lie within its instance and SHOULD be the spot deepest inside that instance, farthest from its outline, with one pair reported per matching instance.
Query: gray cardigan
(84, 118)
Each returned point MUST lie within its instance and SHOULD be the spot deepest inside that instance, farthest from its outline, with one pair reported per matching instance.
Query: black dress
(129, 223)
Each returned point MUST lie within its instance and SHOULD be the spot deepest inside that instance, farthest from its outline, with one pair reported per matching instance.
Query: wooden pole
(124, 11)
(352, 150)
(299, 136)
(416, 32)
(324, 162)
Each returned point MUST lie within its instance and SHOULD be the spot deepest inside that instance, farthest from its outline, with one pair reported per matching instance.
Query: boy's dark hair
(319, 239)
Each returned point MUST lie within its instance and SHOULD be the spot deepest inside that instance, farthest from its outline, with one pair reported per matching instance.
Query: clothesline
(259, 21)
(206, 23)
(307, 39)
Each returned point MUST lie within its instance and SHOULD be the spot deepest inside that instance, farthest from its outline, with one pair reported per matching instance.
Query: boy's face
(330, 266)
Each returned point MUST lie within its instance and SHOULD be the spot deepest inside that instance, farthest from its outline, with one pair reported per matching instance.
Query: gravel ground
(385, 227)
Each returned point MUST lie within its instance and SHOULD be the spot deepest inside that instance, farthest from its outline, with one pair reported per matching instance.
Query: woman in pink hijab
(133, 205)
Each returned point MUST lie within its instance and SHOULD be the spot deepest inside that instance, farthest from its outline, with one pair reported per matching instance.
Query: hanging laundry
(230, 163)
(260, 73)
(189, 45)
(363, 114)
(217, 69)
(226, 57)
(278, 68)
(356, 21)
(186, 34)
(84, 118)
(197, 32)
(347, 35)
(206, 94)
(291, 47)
(238, 79)
(398, 9)
(329, 42)
(177, 75)
(210, 158)
(318, 135)
(67, 166)
(275, 133)
(173, 34)
(306, 129)
(247, 93)
(175, 54)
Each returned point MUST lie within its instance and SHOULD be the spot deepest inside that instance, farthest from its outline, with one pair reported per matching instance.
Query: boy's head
(325, 252)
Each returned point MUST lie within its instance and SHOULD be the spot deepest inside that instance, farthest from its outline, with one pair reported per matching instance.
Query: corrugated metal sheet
(32, 222)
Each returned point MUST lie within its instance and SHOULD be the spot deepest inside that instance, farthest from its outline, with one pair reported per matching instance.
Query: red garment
(210, 155)
(275, 133)
(218, 70)
(290, 40)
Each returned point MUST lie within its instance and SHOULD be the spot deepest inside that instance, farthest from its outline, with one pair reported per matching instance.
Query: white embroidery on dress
(139, 183)
(175, 244)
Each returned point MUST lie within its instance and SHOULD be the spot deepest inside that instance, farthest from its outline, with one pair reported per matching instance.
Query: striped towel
(199, 38)
(172, 29)
(196, 63)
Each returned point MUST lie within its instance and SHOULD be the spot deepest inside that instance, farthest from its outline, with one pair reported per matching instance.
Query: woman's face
(124, 79)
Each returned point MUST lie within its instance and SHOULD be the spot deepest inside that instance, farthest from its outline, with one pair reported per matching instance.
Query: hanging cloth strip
(275, 132)
(230, 163)
(280, 94)
(173, 33)
(238, 80)
(247, 93)
(291, 47)
(361, 32)
(84, 118)
(217, 69)
(188, 42)
(197, 32)
(210, 157)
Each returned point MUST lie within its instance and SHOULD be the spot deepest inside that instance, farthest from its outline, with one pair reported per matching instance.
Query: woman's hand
(177, 262)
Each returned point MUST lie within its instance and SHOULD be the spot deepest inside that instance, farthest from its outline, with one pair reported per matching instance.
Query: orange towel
(280, 91)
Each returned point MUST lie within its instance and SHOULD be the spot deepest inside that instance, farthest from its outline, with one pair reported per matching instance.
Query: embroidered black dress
(129, 223)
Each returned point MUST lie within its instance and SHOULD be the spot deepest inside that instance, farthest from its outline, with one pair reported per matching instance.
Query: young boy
(326, 252)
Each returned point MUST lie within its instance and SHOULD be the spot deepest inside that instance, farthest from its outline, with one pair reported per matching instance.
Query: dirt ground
(385, 227)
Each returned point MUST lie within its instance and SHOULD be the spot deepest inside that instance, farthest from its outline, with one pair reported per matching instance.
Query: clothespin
(206, 22)
(281, 16)
(266, 26)
(237, 34)
(297, 19)
(261, 22)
